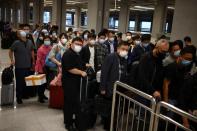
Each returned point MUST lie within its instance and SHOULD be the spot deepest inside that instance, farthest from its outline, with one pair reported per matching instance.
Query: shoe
(45, 98)
(19, 101)
(41, 100)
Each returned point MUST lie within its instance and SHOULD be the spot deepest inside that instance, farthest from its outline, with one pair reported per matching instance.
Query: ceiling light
(137, 9)
(170, 7)
(143, 7)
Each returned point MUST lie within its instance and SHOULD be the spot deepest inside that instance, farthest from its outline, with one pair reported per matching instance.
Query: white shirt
(91, 61)
(111, 48)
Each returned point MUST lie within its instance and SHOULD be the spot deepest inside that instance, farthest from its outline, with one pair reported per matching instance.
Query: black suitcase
(86, 117)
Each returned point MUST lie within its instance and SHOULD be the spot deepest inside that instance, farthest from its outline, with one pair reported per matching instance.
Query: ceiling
(84, 3)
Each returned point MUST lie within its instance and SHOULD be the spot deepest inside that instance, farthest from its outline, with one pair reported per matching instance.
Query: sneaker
(41, 100)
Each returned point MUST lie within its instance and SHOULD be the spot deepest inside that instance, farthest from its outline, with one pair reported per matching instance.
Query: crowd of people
(166, 70)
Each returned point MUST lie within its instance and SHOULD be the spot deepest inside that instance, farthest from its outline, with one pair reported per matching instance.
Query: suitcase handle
(86, 88)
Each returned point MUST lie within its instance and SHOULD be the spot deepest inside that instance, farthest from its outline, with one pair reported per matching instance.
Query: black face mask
(161, 56)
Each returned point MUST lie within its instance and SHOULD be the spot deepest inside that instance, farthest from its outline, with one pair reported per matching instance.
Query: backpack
(7, 76)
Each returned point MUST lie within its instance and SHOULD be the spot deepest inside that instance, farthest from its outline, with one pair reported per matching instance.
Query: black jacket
(107, 43)
(110, 72)
(150, 74)
(85, 56)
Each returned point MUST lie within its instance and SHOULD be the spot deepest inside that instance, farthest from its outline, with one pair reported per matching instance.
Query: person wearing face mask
(140, 49)
(85, 37)
(111, 43)
(175, 74)
(40, 65)
(151, 72)
(114, 68)
(101, 49)
(22, 56)
(175, 49)
(88, 53)
(56, 51)
(40, 40)
(72, 71)
(53, 37)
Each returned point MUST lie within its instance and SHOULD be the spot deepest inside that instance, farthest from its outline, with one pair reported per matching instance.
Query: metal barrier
(171, 123)
(128, 113)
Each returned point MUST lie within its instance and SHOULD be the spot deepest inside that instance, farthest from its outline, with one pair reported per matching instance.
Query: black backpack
(7, 76)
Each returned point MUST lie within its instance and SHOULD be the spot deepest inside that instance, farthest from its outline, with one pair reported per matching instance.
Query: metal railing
(170, 122)
(133, 114)
(128, 113)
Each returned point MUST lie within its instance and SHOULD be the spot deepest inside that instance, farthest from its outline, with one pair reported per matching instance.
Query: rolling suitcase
(86, 117)
(56, 98)
(7, 94)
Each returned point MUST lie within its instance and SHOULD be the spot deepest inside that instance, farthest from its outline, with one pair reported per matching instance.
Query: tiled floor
(31, 116)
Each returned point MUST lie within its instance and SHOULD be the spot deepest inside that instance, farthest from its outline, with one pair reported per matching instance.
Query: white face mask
(101, 41)
(92, 42)
(47, 42)
(129, 37)
(63, 41)
(111, 39)
(23, 34)
(41, 38)
(85, 36)
(77, 48)
(123, 54)
(137, 42)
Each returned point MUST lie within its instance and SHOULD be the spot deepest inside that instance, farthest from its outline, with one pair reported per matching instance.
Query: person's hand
(186, 124)
(88, 65)
(157, 94)
(103, 92)
(13, 62)
(83, 74)
(59, 64)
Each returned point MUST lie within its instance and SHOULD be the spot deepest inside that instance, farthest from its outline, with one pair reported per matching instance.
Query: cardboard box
(35, 80)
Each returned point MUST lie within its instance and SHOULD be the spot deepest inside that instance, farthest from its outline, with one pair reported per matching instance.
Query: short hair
(119, 34)
(86, 31)
(101, 34)
(188, 49)
(105, 31)
(178, 42)
(91, 35)
(63, 34)
(188, 39)
(70, 29)
(146, 37)
(123, 43)
(77, 39)
(26, 25)
(160, 42)
(110, 31)
(47, 36)
(129, 33)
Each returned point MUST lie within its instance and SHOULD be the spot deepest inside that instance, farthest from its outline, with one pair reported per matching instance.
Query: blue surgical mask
(145, 45)
(186, 62)
(47, 42)
(177, 53)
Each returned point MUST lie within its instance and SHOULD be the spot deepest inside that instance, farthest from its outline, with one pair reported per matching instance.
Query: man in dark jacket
(114, 68)
(150, 73)
(111, 43)
(140, 49)
(89, 52)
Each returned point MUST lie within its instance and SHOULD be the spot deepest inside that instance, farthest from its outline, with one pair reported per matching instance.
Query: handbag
(51, 64)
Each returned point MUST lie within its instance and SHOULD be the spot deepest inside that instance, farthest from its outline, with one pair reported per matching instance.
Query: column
(3, 12)
(59, 14)
(159, 19)
(38, 7)
(185, 20)
(15, 15)
(8, 13)
(23, 9)
(77, 18)
(106, 14)
(124, 16)
(137, 22)
(95, 15)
